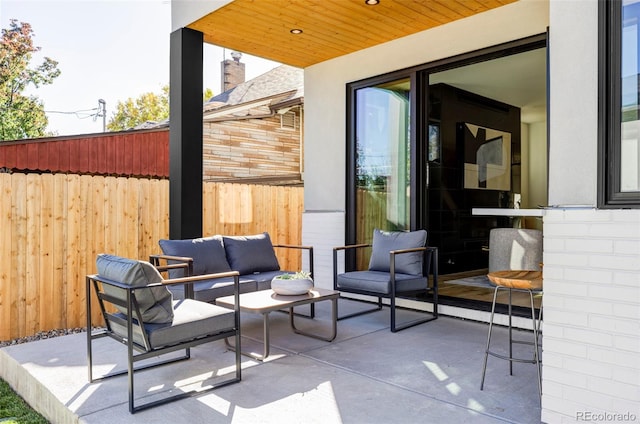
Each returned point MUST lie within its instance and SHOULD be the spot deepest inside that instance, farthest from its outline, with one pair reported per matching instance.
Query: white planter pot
(291, 287)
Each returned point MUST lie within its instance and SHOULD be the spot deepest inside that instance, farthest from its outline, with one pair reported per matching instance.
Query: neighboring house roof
(147, 125)
(263, 96)
(279, 88)
(279, 80)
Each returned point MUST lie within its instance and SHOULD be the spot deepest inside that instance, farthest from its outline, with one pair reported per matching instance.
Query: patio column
(185, 134)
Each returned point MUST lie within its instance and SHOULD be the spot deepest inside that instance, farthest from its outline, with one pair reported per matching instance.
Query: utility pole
(102, 111)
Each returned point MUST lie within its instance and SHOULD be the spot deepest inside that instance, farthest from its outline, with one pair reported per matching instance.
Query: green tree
(152, 107)
(22, 116)
(147, 107)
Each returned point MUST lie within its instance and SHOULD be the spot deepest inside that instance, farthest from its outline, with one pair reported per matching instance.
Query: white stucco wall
(573, 114)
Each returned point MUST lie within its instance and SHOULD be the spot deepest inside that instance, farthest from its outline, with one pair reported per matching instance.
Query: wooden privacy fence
(52, 226)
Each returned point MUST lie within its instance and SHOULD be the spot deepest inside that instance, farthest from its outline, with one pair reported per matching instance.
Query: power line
(80, 114)
(95, 113)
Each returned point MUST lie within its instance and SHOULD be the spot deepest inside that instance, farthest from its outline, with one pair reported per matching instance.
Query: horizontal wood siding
(54, 225)
(251, 148)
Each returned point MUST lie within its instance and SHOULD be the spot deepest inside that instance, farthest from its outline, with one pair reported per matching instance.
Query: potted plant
(292, 284)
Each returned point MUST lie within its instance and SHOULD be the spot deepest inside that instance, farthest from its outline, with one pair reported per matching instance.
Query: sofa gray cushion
(154, 302)
(249, 254)
(207, 252)
(209, 290)
(385, 241)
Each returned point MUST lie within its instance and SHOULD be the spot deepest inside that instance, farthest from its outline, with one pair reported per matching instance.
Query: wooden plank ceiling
(330, 28)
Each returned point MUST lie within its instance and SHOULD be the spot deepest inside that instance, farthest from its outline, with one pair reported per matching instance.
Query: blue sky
(106, 49)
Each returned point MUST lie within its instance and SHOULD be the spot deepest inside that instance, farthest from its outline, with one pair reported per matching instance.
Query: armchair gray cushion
(207, 252)
(192, 319)
(380, 282)
(249, 254)
(385, 241)
(154, 302)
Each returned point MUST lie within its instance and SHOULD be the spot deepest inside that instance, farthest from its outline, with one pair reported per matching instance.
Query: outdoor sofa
(252, 256)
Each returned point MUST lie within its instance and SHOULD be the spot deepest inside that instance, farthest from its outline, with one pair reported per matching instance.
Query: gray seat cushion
(208, 254)
(250, 254)
(379, 282)
(209, 290)
(192, 320)
(154, 302)
(386, 241)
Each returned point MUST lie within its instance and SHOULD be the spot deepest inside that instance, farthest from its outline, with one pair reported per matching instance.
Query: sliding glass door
(382, 158)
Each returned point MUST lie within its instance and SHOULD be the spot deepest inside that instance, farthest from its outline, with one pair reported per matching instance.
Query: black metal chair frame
(429, 266)
(134, 321)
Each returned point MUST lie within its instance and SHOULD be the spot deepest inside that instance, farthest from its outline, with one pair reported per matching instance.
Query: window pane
(382, 158)
(630, 130)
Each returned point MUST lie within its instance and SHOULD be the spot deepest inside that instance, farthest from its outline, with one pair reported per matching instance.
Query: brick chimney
(232, 72)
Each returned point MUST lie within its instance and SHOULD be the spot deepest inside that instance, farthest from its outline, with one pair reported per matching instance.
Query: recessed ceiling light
(371, 2)
(296, 31)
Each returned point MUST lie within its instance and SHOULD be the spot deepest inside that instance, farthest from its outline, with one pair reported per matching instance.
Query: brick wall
(591, 334)
(250, 148)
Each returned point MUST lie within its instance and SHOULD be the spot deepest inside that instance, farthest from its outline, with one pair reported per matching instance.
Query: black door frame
(419, 77)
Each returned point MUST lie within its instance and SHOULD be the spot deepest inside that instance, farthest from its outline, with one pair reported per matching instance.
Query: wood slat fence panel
(52, 226)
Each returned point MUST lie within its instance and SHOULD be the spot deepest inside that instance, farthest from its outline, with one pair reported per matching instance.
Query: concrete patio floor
(425, 374)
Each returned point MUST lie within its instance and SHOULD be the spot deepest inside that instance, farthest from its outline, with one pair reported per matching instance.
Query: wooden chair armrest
(171, 266)
(103, 280)
(293, 246)
(171, 258)
(351, 246)
(410, 250)
(413, 249)
(196, 278)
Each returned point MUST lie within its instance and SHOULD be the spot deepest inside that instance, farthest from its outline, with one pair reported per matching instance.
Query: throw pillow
(385, 241)
(155, 302)
(208, 254)
(249, 254)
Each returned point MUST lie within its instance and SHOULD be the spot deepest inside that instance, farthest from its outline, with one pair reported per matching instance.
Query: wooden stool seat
(523, 280)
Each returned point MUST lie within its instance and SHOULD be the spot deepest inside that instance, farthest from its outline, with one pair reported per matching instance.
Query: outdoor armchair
(139, 312)
(399, 266)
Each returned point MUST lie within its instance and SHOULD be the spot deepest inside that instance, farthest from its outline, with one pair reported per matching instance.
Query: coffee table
(266, 301)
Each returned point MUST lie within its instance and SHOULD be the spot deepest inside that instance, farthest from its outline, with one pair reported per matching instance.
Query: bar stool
(523, 281)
